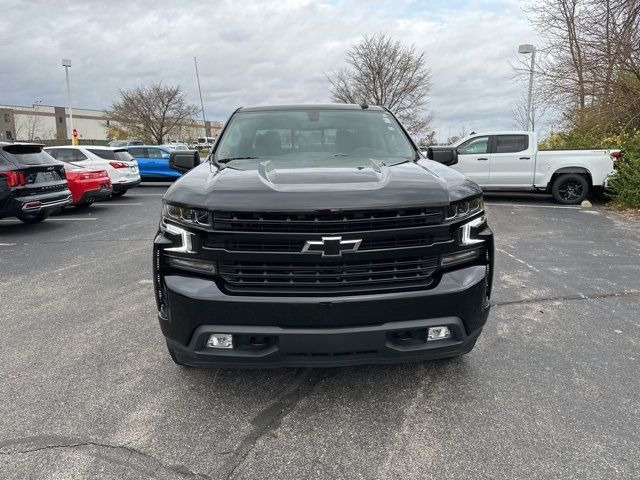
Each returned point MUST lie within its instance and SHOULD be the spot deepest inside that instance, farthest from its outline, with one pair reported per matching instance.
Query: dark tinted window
(123, 156)
(106, 154)
(511, 143)
(474, 145)
(27, 155)
(69, 155)
(138, 152)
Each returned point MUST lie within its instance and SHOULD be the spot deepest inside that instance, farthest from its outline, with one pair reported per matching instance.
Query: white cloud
(257, 52)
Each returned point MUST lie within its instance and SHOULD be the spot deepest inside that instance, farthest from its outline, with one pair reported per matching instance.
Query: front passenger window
(474, 146)
(154, 153)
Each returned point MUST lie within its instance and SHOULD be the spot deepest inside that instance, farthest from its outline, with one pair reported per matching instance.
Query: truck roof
(310, 106)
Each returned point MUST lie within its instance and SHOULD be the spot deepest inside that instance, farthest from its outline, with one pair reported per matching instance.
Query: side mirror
(184, 160)
(445, 155)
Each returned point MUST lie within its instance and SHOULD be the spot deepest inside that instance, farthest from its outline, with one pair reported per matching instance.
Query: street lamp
(66, 63)
(528, 48)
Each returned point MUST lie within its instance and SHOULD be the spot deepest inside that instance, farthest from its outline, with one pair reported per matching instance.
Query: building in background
(7, 124)
(50, 124)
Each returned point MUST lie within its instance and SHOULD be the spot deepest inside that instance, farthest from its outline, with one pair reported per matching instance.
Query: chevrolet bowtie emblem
(331, 246)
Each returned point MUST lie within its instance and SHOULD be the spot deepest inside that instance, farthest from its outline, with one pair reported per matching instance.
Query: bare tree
(27, 126)
(589, 64)
(151, 113)
(386, 73)
(538, 109)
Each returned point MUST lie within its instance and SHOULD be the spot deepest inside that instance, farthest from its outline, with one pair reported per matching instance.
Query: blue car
(153, 162)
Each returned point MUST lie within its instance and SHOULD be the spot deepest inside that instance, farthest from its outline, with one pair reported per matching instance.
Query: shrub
(625, 185)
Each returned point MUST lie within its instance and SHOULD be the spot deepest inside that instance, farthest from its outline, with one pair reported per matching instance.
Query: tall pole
(530, 96)
(66, 63)
(204, 120)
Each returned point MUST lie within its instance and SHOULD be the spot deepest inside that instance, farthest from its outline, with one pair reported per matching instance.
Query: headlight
(464, 208)
(188, 216)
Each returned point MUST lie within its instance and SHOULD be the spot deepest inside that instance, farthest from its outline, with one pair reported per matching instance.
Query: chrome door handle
(525, 158)
(482, 159)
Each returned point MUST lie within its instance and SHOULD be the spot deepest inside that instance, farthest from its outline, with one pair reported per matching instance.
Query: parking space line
(117, 204)
(518, 260)
(53, 220)
(526, 205)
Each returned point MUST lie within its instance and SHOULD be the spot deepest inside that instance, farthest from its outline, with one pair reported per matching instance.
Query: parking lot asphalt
(551, 390)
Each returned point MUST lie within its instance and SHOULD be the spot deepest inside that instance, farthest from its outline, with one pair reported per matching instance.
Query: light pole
(204, 120)
(528, 48)
(66, 63)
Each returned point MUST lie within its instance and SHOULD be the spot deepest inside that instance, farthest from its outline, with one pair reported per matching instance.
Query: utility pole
(66, 63)
(204, 120)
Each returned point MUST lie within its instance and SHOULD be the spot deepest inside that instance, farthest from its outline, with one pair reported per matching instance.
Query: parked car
(319, 236)
(177, 146)
(121, 167)
(153, 162)
(32, 184)
(124, 143)
(512, 161)
(87, 185)
(205, 142)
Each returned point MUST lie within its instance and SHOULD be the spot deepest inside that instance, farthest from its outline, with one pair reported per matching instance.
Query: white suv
(119, 164)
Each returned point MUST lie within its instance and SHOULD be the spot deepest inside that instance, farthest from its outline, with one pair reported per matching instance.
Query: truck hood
(341, 183)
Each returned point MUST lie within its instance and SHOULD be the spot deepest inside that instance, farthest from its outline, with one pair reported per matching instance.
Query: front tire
(82, 206)
(570, 188)
(118, 194)
(32, 217)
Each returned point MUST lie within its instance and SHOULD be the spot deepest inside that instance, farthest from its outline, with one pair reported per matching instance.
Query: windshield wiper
(224, 160)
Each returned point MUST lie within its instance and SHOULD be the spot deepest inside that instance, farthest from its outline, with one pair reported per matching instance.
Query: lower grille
(345, 277)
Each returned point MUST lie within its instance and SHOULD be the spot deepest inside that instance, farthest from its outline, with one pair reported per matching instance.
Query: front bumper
(323, 331)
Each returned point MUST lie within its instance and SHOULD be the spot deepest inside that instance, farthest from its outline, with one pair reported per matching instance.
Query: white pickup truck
(512, 161)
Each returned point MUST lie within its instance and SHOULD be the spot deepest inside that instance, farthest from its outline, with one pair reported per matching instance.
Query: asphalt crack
(51, 442)
(271, 417)
(629, 293)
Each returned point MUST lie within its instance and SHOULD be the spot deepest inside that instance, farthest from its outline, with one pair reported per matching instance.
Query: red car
(87, 185)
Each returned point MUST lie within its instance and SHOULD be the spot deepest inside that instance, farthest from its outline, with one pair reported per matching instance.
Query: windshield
(313, 133)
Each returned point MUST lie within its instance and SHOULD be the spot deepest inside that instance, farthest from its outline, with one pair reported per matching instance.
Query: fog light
(220, 340)
(439, 333)
(459, 257)
(192, 264)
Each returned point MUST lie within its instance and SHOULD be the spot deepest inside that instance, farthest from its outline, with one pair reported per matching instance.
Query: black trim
(119, 187)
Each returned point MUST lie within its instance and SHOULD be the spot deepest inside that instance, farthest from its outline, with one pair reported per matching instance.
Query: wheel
(570, 188)
(118, 194)
(32, 217)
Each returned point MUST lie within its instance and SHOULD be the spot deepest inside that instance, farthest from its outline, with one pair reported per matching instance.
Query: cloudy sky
(259, 52)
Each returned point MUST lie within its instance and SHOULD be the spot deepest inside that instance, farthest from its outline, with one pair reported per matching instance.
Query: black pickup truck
(318, 235)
